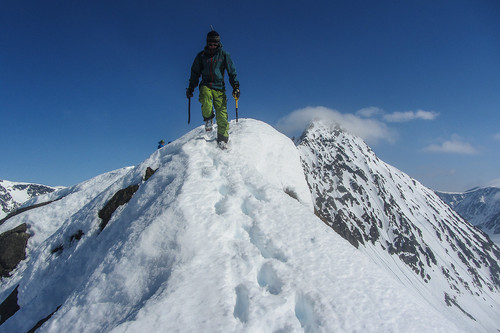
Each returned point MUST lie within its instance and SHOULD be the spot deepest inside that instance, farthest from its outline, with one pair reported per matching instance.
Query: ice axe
(236, 100)
(236, 95)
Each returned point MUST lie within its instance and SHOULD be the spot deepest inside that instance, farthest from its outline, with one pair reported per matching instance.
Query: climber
(210, 64)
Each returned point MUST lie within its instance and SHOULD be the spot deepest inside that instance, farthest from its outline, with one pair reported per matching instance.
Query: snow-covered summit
(402, 226)
(213, 241)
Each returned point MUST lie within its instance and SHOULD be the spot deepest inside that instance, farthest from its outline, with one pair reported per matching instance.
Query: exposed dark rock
(41, 322)
(149, 173)
(450, 302)
(7, 203)
(120, 198)
(77, 236)
(12, 248)
(291, 193)
(34, 190)
(9, 306)
(340, 225)
(57, 250)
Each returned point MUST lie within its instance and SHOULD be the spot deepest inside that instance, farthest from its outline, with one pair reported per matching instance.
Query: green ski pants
(217, 99)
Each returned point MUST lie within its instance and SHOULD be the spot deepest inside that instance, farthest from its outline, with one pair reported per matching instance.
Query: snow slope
(214, 241)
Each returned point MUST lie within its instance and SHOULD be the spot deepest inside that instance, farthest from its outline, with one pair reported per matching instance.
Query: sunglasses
(213, 44)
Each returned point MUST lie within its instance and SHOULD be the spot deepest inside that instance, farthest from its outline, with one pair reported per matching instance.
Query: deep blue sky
(87, 87)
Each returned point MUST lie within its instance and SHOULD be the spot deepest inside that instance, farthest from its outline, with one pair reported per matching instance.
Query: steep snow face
(403, 226)
(480, 206)
(13, 194)
(213, 241)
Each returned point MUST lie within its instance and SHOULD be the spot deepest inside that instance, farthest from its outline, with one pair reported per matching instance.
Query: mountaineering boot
(222, 141)
(209, 125)
(222, 145)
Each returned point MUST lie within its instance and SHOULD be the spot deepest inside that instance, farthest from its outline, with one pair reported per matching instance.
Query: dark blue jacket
(211, 67)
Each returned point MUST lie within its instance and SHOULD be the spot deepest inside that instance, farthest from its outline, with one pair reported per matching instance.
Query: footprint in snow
(305, 313)
(241, 308)
(265, 245)
(268, 279)
(221, 206)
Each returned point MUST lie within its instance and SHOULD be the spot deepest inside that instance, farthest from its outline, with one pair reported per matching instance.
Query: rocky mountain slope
(402, 225)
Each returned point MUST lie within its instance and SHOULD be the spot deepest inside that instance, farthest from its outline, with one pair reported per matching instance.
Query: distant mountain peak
(479, 206)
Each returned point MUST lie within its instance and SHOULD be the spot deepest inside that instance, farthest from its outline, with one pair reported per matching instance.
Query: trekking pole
(189, 110)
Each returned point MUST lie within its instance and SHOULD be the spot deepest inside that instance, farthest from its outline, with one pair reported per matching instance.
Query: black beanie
(213, 37)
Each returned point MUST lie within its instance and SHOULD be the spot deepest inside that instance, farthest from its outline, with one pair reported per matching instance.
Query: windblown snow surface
(214, 241)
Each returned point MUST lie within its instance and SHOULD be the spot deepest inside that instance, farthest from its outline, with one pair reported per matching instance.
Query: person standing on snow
(210, 64)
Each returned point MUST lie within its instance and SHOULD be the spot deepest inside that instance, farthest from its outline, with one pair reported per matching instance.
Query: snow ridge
(216, 241)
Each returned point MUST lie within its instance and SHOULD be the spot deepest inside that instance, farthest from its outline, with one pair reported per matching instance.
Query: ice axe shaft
(236, 100)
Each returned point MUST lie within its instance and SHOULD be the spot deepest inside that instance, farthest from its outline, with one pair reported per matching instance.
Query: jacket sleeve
(195, 72)
(231, 71)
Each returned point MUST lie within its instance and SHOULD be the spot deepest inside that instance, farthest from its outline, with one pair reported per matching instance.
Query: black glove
(236, 92)
(189, 92)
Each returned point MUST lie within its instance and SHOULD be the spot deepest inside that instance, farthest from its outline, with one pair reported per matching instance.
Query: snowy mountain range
(13, 194)
(479, 206)
(247, 240)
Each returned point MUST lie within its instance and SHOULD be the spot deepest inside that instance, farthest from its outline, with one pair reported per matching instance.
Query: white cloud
(369, 112)
(399, 117)
(371, 130)
(453, 146)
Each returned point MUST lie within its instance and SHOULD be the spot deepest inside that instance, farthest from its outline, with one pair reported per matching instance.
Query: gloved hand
(236, 92)
(189, 92)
